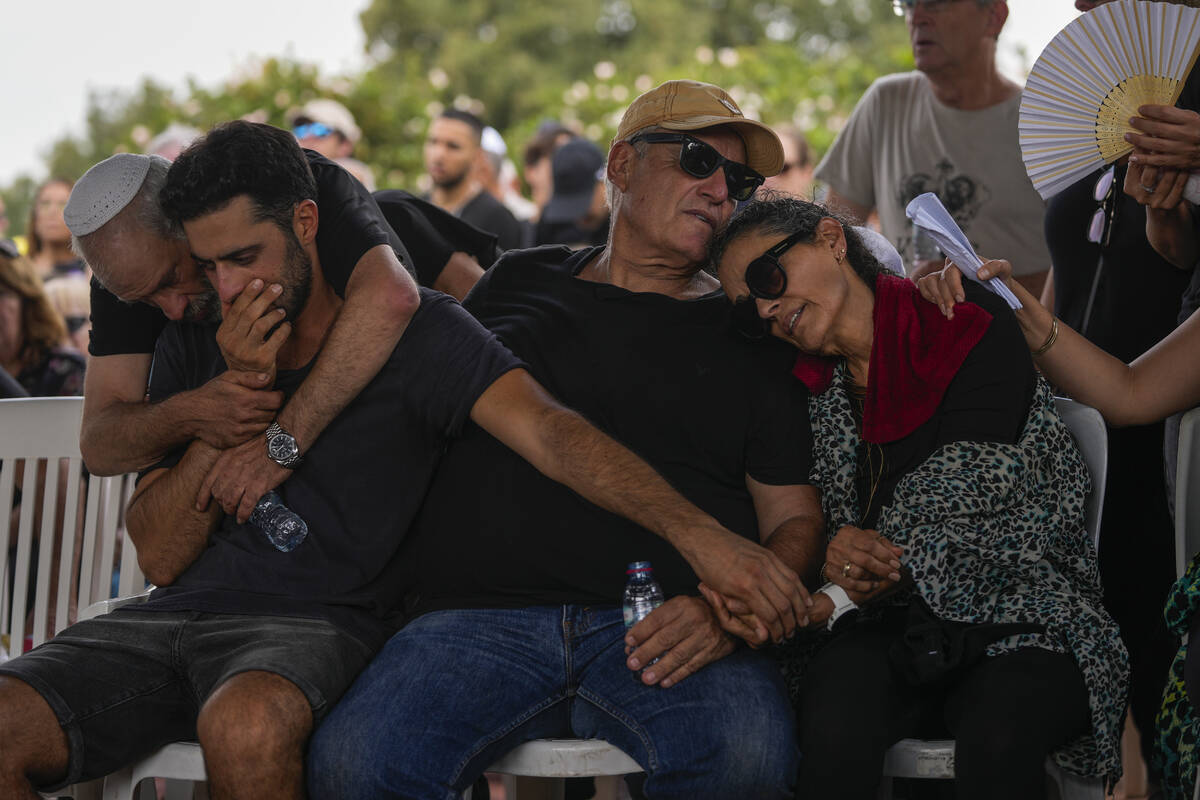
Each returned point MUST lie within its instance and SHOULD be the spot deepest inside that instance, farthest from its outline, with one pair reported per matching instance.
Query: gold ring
(846, 570)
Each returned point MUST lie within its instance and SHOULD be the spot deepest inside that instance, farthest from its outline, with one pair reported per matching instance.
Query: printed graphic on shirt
(962, 195)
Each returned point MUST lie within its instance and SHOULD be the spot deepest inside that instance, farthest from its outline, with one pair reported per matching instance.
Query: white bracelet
(842, 604)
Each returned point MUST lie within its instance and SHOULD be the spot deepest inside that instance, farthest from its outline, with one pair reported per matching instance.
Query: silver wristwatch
(282, 447)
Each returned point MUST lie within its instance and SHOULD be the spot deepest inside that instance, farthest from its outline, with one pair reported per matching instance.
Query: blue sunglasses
(315, 129)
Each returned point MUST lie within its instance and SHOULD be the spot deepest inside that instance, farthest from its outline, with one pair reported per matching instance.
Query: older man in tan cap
(517, 631)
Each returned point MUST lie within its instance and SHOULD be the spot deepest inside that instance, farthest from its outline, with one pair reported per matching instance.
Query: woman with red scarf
(961, 592)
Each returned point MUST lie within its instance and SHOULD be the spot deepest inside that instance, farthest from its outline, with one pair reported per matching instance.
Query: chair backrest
(1187, 491)
(1091, 436)
(75, 549)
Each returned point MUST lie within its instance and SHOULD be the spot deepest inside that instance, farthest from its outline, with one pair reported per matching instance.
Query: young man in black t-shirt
(451, 150)
(144, 270)
(245, 646)
(518, 633)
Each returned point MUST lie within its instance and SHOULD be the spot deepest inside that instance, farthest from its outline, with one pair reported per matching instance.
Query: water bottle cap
(638, 566)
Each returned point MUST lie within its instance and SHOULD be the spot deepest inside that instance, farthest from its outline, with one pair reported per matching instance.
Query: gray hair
(612, 194)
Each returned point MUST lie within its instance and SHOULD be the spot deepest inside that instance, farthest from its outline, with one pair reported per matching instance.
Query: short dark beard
(450, 184)
(296, 281)
(297, 277)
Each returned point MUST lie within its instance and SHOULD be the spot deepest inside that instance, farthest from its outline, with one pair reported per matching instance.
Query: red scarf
(915, 354)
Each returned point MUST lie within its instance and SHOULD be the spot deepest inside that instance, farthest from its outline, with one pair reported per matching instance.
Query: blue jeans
(455, 690)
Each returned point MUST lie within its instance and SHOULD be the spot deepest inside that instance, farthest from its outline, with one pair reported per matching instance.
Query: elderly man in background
(515, 630)
(950, 128)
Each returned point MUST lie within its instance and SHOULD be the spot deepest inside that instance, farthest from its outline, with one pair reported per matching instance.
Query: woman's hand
(858, 560)
(1170, 137)
(1158, 189)
(745, 626)
(945, 288)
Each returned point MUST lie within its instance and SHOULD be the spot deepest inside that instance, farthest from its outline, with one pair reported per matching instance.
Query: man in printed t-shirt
(950, 128)
(517, 631)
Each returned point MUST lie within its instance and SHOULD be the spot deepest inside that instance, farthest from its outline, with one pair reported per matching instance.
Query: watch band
(842, 604)
(290, 462)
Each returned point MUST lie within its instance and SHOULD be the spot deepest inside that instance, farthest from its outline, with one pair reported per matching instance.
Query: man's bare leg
(253, 730)
(33, 746)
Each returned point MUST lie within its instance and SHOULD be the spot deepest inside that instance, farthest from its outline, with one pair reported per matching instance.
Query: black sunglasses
(765, 278)
(700, 159)
(764, 275)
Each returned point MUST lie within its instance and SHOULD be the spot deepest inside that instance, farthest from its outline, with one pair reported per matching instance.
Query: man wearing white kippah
(143, 266)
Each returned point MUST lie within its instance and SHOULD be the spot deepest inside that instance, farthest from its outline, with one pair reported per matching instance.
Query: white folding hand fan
(1091, 79)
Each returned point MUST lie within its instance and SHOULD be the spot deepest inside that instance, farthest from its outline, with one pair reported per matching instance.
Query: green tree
(516, 63)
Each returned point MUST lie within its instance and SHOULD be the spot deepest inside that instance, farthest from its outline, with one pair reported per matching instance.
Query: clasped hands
(753, 596)
(860, 561)
(251, 333)
(1166, 152)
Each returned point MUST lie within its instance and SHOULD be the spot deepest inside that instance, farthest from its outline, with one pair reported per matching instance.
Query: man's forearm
(162, 519)
(123, 436)
(800, 543)
(608, 474)
(380, 301)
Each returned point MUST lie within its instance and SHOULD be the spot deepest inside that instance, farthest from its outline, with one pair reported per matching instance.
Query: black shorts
(126, 683)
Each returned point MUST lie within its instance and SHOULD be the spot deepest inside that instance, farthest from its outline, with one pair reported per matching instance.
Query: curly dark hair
(240, 158)
(785, 214)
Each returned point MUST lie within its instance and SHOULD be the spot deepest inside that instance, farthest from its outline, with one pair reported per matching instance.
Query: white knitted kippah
(104, 190)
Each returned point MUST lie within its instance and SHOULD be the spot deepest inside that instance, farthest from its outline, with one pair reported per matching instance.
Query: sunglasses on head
(700, 159)
(314, 129)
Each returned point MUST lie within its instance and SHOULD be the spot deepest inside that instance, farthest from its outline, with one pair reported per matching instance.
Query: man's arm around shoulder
(121, 432)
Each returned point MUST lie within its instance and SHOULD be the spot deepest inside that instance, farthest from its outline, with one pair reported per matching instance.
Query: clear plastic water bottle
(642, 593)
(283, 527)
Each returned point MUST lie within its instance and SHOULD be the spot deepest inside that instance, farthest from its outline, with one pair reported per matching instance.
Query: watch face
(281, 447)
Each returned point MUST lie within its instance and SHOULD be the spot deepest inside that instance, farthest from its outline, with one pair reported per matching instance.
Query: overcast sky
(56, 51)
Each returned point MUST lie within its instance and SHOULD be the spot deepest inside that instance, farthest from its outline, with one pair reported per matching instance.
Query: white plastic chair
(43, 432)
(558, 759)
(1187, 491)
(934, 758)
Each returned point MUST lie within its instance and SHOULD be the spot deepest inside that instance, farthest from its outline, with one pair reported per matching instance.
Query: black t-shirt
(666, 377)
(359, 486)
(350, 225)
(987, 401)
(570, 233)
(1138, 294)
(438, 233)
(489, 214)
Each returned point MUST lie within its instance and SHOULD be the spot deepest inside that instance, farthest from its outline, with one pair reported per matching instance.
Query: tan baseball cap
(692, 106)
